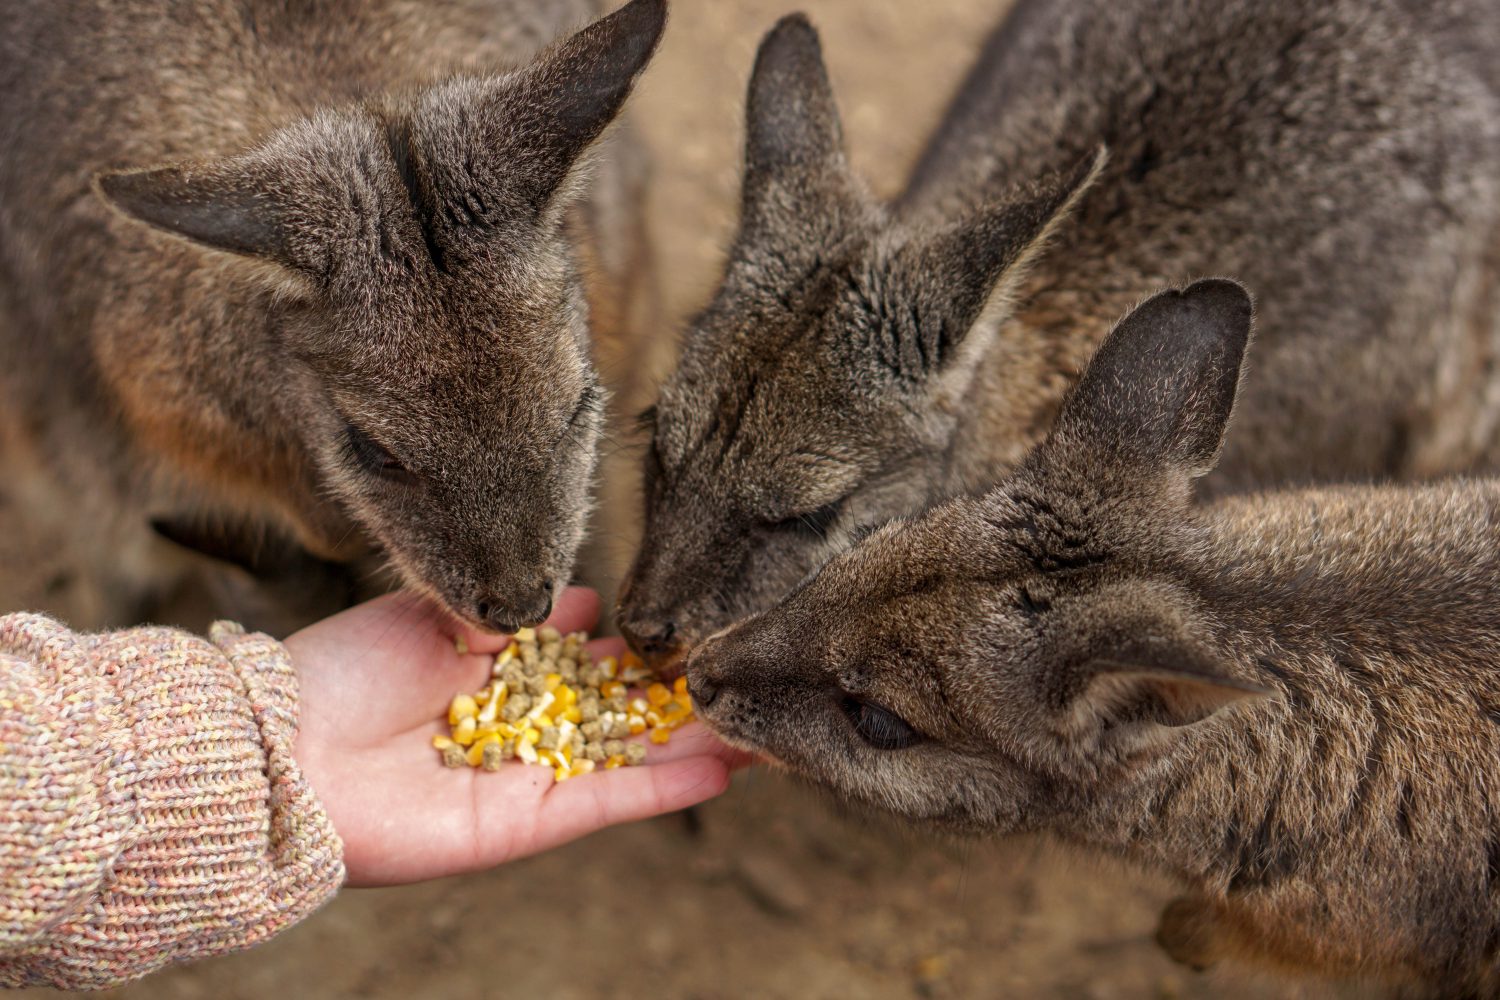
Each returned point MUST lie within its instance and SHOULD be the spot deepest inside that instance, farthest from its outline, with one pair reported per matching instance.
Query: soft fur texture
(355, 313)
(862, 360)
(1288, 701)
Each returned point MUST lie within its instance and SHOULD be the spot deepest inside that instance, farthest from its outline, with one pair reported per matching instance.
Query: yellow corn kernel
(543, 721)
(465, 731)
(475, 754)
(531, 737)
(572, 714)
(462, 706)
(490, 728)
(525, 635)
(609, 667)
(543, 702)
(610, 763)
(555, 758)
(653, 718)
(637, 726)
(610, 688)
(660, 735)
(441, 742)
(639, 705)
(494, 697)
(632, 662)
(583, 766)
(551, 681)
(561, 773)
(679, 686)
(657, 694)
(507, 654)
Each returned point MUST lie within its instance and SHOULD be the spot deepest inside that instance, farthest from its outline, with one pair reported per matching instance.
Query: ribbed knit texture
(150, 808)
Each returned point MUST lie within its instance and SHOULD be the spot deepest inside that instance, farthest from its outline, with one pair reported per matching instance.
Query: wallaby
(860, 361)
(354, 312)
(1288, 701)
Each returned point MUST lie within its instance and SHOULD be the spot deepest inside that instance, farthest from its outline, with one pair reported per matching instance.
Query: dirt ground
(770, 891)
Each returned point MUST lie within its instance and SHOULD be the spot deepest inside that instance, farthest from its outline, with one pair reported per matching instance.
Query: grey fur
(1289, 702)
(861, 360)
(378, 204)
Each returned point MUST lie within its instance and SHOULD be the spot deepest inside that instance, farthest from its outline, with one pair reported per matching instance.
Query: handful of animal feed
(549, 703)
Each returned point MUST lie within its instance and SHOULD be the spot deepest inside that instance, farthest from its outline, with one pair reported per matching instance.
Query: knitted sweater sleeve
(150, 808)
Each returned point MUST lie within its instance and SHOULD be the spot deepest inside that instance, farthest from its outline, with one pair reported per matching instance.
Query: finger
(592, 802)
(577, 610)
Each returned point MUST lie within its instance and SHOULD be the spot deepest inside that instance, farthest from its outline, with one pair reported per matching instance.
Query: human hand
(376, 681)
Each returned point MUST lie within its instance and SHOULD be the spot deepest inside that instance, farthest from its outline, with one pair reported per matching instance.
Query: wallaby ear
(791, 119)
(579, 86)
(1127, 665)
(960, 279)
(1160, 390)
(223, 205)
(477, 154)
(1162, 695)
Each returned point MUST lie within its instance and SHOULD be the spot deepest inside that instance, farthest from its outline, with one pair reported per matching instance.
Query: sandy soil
(771, 891)
(774, 895)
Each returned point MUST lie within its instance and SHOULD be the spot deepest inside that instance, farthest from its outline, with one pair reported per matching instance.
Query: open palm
(376, 681)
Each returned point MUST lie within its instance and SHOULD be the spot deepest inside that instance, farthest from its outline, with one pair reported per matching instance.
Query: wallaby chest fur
(144, 376)
(861, 360)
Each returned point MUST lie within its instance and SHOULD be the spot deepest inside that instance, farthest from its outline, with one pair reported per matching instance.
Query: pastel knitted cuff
(150, 808)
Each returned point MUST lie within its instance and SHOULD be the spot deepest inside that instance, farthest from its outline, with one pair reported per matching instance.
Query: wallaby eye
(813, 522)
(879, 727)
(372, 456)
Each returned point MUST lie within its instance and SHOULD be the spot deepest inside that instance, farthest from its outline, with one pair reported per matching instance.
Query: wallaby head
(991, 662)
(429, 317)
(820, 389)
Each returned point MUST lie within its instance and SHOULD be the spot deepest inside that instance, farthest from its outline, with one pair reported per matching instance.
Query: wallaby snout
(508, 611)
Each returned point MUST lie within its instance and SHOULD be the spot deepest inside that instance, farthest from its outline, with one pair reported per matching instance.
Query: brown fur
(861, 360)
(377, 219)
(1288, 701)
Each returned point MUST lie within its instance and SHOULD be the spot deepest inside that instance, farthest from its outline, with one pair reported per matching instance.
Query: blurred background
(770, 891)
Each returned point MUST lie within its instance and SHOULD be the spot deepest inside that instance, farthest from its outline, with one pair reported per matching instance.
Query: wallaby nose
(507, 616)
(700, 670)
(651, 638)
(703, 691)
